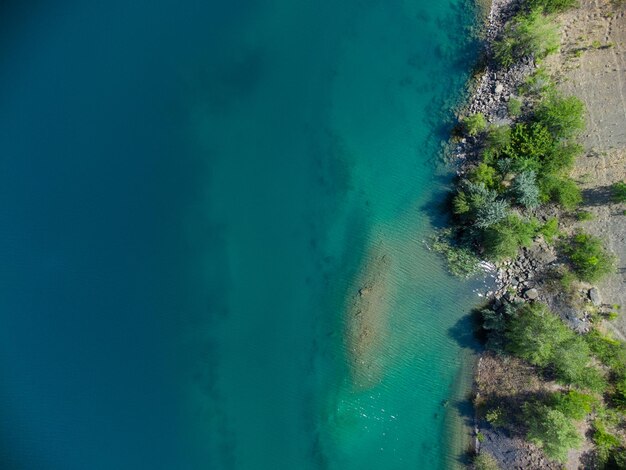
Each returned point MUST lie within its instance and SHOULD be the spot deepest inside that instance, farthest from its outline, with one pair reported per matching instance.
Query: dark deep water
(187, 191)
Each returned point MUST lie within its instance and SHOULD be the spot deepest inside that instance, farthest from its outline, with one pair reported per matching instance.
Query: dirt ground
(592, 66)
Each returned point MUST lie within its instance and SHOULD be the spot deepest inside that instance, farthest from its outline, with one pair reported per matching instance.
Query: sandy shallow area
(592, 66)
(367, 318)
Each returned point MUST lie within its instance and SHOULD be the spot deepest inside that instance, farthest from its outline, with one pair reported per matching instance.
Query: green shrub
(606, 443)
(550, 230)
(529, 145)
(529, 34)
(535, 333)
(539, 83)
(552, 430)
(514, 107)
(461, 260)
(475, 124)
(498, 138)
(561, 158)
(590, 260)
(563, 191)
(490, 214)
(584, 216)
(495, 417)
(571, 360)
(563, 116)
(618, 191)
(485, 461)
(503, 240)
(525, 190)
(573, 404)
(552, 6)
(486, 175)
(611, 352)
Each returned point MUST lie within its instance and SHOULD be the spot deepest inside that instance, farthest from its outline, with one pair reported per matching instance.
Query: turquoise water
(191, 193)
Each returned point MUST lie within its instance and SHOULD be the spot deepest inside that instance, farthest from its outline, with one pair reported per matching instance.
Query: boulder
(594, 296)
(531, 294)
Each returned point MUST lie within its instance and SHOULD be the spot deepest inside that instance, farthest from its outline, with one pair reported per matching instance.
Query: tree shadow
(468, 332)
(599, 196)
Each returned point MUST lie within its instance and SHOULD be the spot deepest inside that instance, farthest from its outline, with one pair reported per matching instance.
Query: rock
(499, 88)
(531, 294)
(594, 296)
(364, 291)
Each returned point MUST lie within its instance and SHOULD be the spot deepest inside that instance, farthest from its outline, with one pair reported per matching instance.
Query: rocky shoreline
(530, 276)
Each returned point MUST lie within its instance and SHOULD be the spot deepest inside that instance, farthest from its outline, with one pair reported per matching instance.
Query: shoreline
(522, 278)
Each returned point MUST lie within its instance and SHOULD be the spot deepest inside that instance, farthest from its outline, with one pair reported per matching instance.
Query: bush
(606, 443)
(486, 175)
(584, 216)
(485, 461)
(552, 6)
(490, 214)
(538, 336)
(461, 260)
(563, 191)
(475, 124)
(530, 34)
(534, 334)
(552, 430)
(498, 138)
(539, 83)
(529, 145)
(525, 190)
(590, 260)
(618, 191)
(550, 230)
(504, 239)
(573, 404)
(611, 352)
(514, 107)
(563, 116)
(561, 158)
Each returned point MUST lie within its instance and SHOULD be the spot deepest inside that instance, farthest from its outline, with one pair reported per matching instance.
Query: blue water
(190, 194)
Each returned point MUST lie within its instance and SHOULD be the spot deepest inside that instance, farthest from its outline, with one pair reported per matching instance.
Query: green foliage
(550, 429)
(485, 461)
(539, 83)
(498, 138)
(525, 190)
(538, 336)
(561, 158)
(461, 260)
(514, 107)
(503, 240)
(590, 260)
(618, 191)
(490, 214)
(529, 145)
(611, 352)
(528, 34)
(606, 443)
(486, 175)
(563, 191)
(573, 404)
(550, 230)
(480, 436)
(495, 417)
(584, 216)
(535, 333)
(563, 116)
(552, 6)
(475, 124)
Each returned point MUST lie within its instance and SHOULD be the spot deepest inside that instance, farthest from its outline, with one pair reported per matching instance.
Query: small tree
(563, 116)
(514, 107)
(475, 124)
(590, 260)
(525, 190)
(552, 430)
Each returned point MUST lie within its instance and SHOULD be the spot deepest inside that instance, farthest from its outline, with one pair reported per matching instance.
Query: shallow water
(189, 197)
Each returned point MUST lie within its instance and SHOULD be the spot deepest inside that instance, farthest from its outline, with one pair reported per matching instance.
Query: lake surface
(192, 194)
